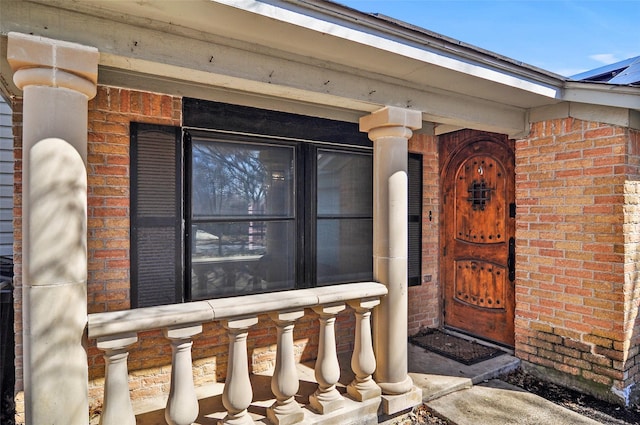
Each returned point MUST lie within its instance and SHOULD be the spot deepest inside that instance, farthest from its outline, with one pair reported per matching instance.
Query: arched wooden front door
(478, 234)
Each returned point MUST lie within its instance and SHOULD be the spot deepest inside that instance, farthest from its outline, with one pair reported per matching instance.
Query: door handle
(511, 261)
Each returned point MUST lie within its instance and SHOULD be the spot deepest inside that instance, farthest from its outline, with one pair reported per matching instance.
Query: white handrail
(149, 318)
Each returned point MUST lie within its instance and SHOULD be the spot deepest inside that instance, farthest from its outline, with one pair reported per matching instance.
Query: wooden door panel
(480, 284)
(479, 198)
(478, 188)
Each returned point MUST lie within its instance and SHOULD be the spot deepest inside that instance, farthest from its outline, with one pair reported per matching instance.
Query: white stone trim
(141, 319)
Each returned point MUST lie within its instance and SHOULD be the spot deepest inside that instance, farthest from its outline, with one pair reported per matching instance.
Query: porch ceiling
(310, 56)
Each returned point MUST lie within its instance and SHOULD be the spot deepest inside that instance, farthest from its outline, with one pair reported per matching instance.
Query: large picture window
(244, 201)
(269, 215)
(243, 218)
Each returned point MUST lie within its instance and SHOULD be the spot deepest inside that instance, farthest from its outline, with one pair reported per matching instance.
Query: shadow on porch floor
(436, 375)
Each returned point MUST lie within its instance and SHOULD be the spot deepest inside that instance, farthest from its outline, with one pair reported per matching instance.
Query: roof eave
(603, 94)
(314, 28)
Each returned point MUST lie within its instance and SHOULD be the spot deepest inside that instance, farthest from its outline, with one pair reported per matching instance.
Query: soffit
(304, 56)
(326, 33)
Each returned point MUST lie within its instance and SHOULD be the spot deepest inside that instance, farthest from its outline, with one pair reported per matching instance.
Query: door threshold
(470, 337)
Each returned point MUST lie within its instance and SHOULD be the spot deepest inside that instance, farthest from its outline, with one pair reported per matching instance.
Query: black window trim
(305, 215)
(228, 121)
(416, 217)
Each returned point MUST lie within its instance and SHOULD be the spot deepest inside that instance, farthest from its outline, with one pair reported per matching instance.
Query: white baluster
(116, 406)
(327, 398)
(238, 394)
(182, 405)
(363, 360)
(285, 383)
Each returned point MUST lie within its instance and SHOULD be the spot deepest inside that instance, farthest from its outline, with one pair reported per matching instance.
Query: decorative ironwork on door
(479, 194)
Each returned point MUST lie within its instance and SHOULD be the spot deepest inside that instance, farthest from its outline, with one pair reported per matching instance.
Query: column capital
(391, 116)
(43, 61)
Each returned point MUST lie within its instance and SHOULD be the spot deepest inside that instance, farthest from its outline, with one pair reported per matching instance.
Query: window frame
(232, 120)
(305, 215)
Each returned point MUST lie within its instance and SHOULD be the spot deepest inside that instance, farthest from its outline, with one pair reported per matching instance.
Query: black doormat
(453, 347)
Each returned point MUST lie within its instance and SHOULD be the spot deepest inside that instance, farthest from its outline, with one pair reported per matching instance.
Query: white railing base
(115, 331)
(353, 412)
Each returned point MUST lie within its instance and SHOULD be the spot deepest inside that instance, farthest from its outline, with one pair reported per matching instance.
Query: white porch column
(57, 78)
(390, 129)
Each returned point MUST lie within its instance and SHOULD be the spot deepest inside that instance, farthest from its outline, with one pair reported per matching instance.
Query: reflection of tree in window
(228, 181)
(242, 218)
(344, 217)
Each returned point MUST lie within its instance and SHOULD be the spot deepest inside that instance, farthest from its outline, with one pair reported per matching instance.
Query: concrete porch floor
(439, 376)
(470, 395)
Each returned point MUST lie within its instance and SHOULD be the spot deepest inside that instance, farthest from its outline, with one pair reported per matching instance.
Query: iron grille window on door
(479, 195)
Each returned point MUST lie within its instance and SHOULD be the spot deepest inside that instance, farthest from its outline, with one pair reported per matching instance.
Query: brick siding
(424, 300)
(16, 107)
(578, 231)
(573, 291)
(110, 114)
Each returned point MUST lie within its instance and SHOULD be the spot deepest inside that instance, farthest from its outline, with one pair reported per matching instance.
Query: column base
(242, 418)
(288, 416)
(396, 403)
(326, 403)
(362, 391)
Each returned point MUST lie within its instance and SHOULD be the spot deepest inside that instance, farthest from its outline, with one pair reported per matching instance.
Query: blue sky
(563, 36)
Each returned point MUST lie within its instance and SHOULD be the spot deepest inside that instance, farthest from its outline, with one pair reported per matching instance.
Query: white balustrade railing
(115, 332)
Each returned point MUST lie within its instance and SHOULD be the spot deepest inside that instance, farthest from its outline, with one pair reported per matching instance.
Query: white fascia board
(603, 94)
(374, 41)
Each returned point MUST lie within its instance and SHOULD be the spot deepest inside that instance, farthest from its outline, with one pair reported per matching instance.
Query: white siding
(6, 180)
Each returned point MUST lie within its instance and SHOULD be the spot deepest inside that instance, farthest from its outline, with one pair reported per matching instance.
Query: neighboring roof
(626, 72)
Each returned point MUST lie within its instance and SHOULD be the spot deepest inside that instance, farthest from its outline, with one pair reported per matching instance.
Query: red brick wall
(632, 266)
(424, 300)
(110, 114)
(570, 288)
(16, 107)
